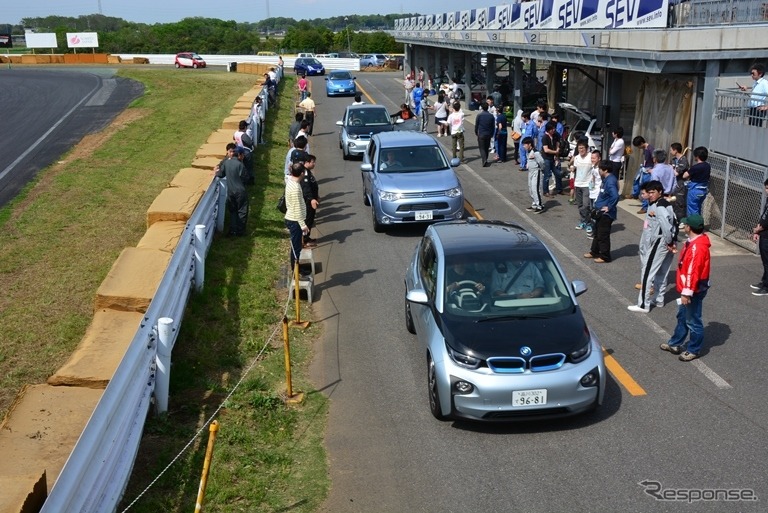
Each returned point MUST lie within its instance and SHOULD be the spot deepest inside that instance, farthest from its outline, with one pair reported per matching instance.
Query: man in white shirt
(455, 123)
(581, 166)
(758, 104)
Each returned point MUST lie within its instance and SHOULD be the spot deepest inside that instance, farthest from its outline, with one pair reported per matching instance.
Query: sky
(167, 11)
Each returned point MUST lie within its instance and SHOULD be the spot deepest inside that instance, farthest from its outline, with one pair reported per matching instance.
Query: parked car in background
(499, 328)
(308, 66)
(395, 61)
(359, 123)
(372, 59)
(340, 83)
(189, 60)
(582, 124)
(306, 54)
(348, 55)
(407, 178)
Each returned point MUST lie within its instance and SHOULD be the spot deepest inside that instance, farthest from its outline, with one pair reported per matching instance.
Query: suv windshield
(412, 159)
(514, 283)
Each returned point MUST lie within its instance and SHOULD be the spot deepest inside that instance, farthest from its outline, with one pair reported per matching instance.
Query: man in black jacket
(484, 125)
(311, 192)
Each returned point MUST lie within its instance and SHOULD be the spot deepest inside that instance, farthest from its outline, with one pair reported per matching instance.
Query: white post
(200, 247)
(222, 205)
(163, 360)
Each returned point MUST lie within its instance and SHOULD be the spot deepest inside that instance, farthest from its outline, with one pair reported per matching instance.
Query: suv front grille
(422, 206)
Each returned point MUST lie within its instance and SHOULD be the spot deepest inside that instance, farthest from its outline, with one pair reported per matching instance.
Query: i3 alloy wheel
(434, 395)
(409, 318)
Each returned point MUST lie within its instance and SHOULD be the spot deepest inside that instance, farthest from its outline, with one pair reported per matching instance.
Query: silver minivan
(407, 178)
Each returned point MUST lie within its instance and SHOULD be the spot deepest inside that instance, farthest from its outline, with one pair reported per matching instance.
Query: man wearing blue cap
(692, 284)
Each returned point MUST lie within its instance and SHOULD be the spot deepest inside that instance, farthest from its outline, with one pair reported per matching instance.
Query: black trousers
(762, 244)
(484, 142)
(601, 244)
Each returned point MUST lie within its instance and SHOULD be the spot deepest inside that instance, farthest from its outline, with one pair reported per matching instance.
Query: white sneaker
(635, 308)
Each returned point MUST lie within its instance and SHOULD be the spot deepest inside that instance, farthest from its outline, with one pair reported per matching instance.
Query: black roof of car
(473, 235)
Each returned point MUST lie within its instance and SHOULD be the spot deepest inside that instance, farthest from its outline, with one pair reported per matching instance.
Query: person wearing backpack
(657, 248)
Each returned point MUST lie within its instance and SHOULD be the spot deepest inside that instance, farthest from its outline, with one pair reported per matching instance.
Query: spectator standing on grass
(535, 163)
(698, 180)
(656, 248)
(243, 140)
(260, 115)
(232, 169)
(294, 154)
(680, 166)
(581, 167)
(271, 87)
(311, 193)
(293, 131)
(310, 113)
(605, 203)
(760, 236)
(484, 126)
(692, 284)
(296, 211)
(456, 127)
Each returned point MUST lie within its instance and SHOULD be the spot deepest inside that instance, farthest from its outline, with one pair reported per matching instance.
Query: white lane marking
(40, 140)
(580, 262)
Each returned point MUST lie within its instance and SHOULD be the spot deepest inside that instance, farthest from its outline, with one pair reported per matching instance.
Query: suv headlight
(389, 196)
(352, 136)
(453, 193)
(464, 360)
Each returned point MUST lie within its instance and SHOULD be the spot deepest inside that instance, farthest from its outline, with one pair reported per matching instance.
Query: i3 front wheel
(434, 395)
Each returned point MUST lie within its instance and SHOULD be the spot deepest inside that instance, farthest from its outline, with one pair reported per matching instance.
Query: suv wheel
(377, 226)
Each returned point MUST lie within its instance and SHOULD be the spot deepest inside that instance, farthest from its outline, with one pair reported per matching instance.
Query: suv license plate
(423, 216)
(529, 398)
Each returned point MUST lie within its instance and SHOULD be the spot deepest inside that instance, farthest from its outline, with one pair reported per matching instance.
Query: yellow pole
(287, 347)
(213, 429)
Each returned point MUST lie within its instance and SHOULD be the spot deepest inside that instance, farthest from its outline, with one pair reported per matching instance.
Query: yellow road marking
(370, 100)
(621, 375)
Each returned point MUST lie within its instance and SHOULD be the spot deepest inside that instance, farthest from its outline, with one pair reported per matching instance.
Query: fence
(736, 198)
(98, 468)
(718, 12)
(738, 128)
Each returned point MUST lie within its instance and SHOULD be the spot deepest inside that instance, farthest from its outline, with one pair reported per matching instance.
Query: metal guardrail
(97, 471)
(738, 128)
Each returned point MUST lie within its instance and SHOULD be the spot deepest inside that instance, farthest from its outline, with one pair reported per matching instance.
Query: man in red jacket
(692, 284)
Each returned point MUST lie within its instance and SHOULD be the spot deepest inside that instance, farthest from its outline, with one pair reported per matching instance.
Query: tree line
(362, 34)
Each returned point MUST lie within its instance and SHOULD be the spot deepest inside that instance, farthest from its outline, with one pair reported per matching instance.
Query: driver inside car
(516, 279)
(390, 161)
(461, 272)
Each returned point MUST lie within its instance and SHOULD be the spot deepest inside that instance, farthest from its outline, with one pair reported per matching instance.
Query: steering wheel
(466, 294)
(357, 122)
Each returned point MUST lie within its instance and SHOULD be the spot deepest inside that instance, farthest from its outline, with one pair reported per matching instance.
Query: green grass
(59, 238)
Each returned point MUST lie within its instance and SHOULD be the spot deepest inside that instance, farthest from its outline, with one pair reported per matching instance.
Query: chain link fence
(736, 198)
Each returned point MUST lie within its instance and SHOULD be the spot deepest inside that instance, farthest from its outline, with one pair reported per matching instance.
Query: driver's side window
(428, 267)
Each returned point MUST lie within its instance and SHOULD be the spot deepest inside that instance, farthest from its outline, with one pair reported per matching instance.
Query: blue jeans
(641, 178)
(697, 193)
(294, 228)
(689, 321)
(546, 173)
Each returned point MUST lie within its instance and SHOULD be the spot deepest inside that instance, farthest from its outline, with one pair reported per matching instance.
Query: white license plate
(423, 216)
(529, 398)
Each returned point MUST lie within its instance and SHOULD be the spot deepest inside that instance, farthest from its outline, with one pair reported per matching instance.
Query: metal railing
(736, 198)
(738, 127)
(691, 13)
(97, 471)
